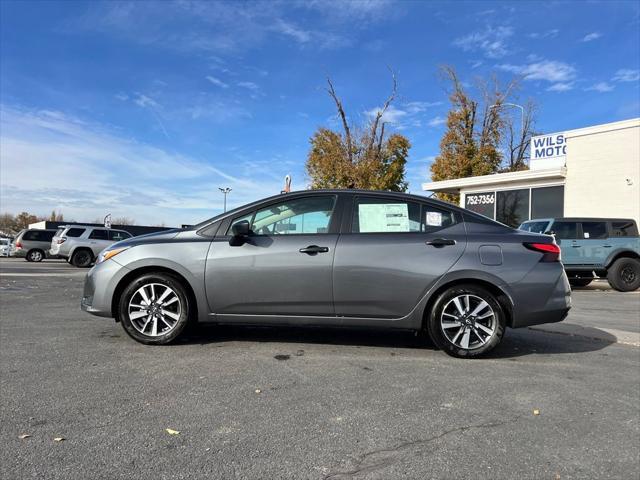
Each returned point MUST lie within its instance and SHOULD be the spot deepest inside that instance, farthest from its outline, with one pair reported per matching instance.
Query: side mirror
(549, 232)
(241, 231)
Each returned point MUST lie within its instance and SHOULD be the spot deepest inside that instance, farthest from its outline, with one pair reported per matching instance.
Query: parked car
(81, 244)
(336, 257)
(5, 247)
(32, 244)
(595, 247)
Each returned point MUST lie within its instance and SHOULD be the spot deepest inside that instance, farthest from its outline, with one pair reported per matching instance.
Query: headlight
(107, 254)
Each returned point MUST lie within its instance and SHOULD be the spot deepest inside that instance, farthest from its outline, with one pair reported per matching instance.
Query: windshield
(535, 227)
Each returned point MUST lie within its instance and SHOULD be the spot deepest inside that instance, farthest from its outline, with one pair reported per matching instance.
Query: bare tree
(518, 132)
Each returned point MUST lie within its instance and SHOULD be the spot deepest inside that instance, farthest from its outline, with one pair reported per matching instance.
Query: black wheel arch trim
(620, 253)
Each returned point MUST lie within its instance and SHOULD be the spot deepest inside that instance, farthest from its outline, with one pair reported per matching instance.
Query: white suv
(81, 244)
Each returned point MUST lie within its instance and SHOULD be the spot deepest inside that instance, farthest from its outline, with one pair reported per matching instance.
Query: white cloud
(546, 34)
(601, 87)
(437, 121)
(626, 75)
(234, 27)
(392, 115)
(561, 87)
(491, 41)
(290, 30)
(249, 86)
(99, 172)
(591, 36)
(546, 70)
(407, 115)
(216, 81)
(144, 101)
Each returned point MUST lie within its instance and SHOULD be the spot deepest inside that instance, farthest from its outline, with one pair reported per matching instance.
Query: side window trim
(334, 225)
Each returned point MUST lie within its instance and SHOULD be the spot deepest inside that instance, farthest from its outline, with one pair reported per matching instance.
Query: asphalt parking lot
(558, 402)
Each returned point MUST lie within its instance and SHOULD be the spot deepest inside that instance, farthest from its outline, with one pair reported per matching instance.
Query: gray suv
(32, 244)
(81, 244)
(336, 258)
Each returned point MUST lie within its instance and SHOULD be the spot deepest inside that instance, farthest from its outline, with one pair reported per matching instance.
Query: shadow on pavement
(517, 342)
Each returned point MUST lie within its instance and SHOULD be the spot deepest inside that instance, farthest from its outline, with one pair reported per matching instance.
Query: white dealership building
(588, 172)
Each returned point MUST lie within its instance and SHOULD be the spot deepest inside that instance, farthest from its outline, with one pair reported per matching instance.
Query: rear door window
(594, 230)
(99, 235)
(565, 230)
(387, 215)
(75, 232)
(624, 229)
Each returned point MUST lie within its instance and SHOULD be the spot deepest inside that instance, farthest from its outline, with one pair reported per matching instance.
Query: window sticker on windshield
(434, 219)
(383, 217)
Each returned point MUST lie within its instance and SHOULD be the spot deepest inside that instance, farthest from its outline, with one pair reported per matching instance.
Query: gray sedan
(336, 258)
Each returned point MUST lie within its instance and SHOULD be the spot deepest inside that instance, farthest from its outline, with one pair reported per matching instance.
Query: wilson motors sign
(548, 151)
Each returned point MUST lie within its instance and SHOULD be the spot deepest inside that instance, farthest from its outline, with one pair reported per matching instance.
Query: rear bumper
(99, 287)
(543, 296)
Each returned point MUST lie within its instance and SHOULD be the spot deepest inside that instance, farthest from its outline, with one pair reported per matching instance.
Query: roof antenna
(287, 184)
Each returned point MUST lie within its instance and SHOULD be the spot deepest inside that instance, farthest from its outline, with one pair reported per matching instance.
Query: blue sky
(143, 109)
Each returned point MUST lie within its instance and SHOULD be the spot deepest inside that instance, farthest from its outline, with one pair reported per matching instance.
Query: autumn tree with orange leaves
(358, 156)
(476, 130)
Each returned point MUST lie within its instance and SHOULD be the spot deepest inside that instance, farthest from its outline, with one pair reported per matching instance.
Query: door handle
(440, 242)
(606, 246)
(314, 250)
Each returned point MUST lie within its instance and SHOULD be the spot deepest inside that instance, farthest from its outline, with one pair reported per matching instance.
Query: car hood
(156, 237)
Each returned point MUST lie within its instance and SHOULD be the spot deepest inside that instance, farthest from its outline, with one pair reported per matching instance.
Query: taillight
(550, 251)
(18, 244)
(61, 240)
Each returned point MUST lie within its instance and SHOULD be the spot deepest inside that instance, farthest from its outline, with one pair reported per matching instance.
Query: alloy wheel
(36, 256)
(154, 309)
(468, 321)
(628, 275)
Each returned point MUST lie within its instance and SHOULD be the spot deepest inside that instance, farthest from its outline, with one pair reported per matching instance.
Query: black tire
(35, 255)
(580, 282)
(82, 258)
(624, 274)
(182, 313)
(475, 348)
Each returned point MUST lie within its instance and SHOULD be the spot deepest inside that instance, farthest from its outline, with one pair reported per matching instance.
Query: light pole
(225, 191)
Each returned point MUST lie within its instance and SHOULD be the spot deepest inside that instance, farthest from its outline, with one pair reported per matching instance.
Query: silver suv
(81, 244)
(32, 244)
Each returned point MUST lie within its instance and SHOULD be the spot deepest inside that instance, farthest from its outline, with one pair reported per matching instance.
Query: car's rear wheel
(466, 321)
(154, 309)
(82, 258)
(624, 274)
(35, 255)
(580, 282)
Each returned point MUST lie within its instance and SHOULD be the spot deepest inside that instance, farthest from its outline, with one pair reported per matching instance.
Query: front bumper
(100, 286)
(542, 296)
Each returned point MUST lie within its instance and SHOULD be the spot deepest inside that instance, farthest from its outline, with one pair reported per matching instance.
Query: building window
(547, 202)
(512, 206)
(482, 203)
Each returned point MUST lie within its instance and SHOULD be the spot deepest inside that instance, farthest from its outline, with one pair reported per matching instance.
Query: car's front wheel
(624, 274)
(154, 309)
(466, 321)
